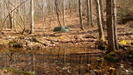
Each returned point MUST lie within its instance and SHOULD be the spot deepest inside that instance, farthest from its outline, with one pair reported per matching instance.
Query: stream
(63, 61)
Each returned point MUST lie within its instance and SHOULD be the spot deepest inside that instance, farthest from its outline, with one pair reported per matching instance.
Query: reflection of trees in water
(53, 64)
(39, 62)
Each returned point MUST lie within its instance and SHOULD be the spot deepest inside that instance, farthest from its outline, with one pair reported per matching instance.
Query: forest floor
(44, 35)
(75, 40)
(50, 39)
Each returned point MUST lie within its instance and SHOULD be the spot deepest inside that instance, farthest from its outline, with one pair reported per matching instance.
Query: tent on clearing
(61, 28)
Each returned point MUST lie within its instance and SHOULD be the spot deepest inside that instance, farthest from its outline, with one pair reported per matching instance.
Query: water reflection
(62, 63)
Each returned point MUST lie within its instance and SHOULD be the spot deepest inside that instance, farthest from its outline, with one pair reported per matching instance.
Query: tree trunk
(32, 16)
(10, 20)
(111, 25)
(88, 12)
(43, 17)
(101, 8)
(2, 12)
(99, 20)
(115, 24)
(57, 12)
(70, 8)
(64, 23)
(91, 11)
(80, 15)
(15, 17)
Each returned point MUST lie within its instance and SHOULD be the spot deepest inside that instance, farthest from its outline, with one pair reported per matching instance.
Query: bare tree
(64, 23)
(10, 20)
(2, 10)
(80, 15)
(43, 16)
(57, 11)
(88, 12)
(70, 7)
(101, 9)
(91, 13)
(8, 14)
(32, 16)
(111, 25)
(99, 20)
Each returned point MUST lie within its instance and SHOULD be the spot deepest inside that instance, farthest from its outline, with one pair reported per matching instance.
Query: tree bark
(91, 13)
(43, 18)
(101, 8)
(57, 12)
(70, 8)
(88, 12)
(64, 23)
(111, 25)
(115, 24)
(32, 16)
(80, 15)
(10, 20)
(99, 20)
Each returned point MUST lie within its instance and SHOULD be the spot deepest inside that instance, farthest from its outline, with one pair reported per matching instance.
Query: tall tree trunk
(99, 20)
(101, 8)
(111, 25)
(43, 23)
(64, 23)
(15, 16)
(115, 24)
(10, 20)
(32, 16)
(91, 13)
(80, 15)
(2, 12)
(88, 12)
(57, 11)
(70, 8)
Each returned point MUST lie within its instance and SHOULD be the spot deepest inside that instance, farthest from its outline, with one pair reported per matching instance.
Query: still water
(63, 61)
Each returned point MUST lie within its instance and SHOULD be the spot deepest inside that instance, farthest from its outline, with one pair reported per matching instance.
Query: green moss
(131, 52)
(130, 49)
(11, 42)
(111, 57)
(18, 72)
(102, 38)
